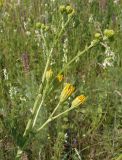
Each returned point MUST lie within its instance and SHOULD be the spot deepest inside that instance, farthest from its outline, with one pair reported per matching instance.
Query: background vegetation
(90, 132)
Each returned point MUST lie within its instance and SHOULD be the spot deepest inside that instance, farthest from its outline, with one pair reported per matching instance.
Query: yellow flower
(49, 74)
(66, 92)
(78, 101)
(60, 77)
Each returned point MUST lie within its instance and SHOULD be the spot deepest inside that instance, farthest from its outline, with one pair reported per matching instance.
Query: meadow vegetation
(60, 80)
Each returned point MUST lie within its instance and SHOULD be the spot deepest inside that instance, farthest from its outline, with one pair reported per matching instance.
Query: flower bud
(46, 28)
(94, 41)
(66, 92)
(60, 77)
(43, 26)
(109, 33)
(69, 9)
(49, 74)
(97, 35)
(78, 101)
(38, 25)
(62, 9)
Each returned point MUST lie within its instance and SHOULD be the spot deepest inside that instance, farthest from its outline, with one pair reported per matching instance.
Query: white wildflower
(109, 52)
(15, 30)
(91, 19)
(116, 1)
(107, 63)
(110, 58)
(6, 14)
(52, 0)
(25, 25)
(28, 33)
(12, 91)
(18, 2)
(5, 74)
(65, 50)
(90, 1)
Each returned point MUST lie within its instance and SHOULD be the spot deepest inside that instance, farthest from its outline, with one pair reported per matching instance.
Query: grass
(37, 37)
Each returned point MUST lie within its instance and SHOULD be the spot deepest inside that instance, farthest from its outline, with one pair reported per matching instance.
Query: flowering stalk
(51, 51)
(43, 78)
(55, 117)
(47, 64)
(78, 101)
(39, 97)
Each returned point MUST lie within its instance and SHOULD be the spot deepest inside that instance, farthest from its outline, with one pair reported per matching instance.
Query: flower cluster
(42, 26)
(67, 9)
(106, 35)
(110, 58)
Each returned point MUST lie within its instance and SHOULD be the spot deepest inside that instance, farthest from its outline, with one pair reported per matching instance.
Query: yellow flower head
(49, 74)
(66, 92)
(60, 77)
(78, 101)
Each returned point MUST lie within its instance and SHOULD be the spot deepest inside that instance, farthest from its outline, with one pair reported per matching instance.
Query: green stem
(43, 98)
(77, 56)
(55, 110)
(53, 118)
(33, 112)
(19, 154)
(49, 120)
(51, 51)
(45, 43)
(50, 117)
(57, 116)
